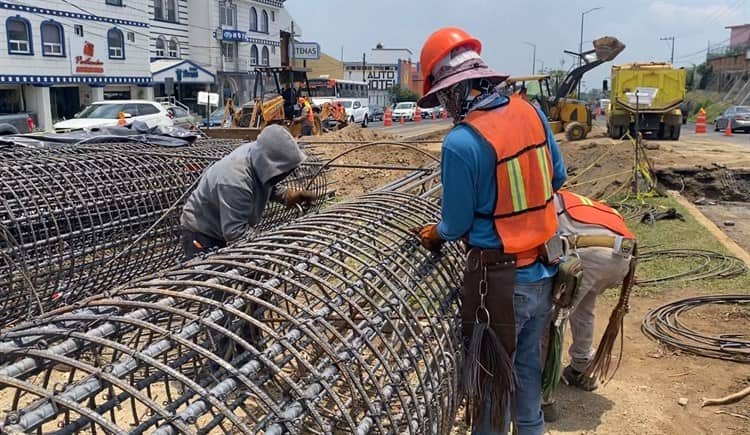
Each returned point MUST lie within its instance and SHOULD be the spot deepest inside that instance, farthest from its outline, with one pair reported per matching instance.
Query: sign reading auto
(381, 80)
(86, 55)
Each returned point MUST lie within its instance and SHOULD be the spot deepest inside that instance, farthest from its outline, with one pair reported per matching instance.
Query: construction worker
(232, 194)
(307, 117)
(290, 98)
(500, 167)
(599, 237)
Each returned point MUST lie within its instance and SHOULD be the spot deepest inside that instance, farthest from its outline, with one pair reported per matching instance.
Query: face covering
(466, 96)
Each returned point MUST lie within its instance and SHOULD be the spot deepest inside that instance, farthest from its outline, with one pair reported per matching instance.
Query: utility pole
(533, 61)
(580, 45)
(669, 38)
(364, 67)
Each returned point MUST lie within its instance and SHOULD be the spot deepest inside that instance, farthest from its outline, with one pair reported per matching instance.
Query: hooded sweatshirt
(232, 194)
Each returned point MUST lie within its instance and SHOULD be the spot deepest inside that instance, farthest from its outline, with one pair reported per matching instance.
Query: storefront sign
(87, 56)
(306, 50)
(208, 98)
(186, 73)
(381, 80)
(233, 35)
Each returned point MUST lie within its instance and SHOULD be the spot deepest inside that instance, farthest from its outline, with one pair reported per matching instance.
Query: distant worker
(599, 237)
(232, 194)
(290, 99)
(307, 117)
(500, 167)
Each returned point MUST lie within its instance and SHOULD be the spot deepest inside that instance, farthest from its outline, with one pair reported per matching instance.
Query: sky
(504, 26)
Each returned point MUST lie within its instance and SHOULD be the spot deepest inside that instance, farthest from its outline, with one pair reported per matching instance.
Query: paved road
(688, 134)
(412, 129)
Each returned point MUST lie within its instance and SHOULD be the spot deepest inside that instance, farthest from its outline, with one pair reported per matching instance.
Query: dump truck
(652, 93)
(564, 112)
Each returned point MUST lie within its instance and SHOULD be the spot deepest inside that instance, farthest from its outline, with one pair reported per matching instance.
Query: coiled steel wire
(339, 322)
(78, 220)
(665, 325)
(696, 264)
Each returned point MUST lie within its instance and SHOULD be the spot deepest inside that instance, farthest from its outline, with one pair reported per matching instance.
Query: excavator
(564, 112)
(267, 108)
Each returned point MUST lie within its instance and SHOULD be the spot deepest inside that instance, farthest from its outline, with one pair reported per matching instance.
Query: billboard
(88, 56)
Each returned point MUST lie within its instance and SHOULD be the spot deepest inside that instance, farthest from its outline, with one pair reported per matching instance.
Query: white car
(405, 110)
(106, 114)
(357, 110)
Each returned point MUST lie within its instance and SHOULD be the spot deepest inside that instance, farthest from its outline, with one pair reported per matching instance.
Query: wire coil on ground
(701, 264)
(664, 324)
(337, 323)
(75, 220)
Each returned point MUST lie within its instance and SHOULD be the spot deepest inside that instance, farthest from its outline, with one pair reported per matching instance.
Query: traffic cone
(401, 121)
(700, 122)
(387, 120)
(30, 124)
(728, 130)
(417, 115)
(121, 119)
(444, 114)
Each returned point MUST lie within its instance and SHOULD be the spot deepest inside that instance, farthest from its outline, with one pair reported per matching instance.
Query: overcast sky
(504, 25)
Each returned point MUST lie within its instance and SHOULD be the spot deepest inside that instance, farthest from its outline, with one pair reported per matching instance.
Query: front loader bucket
(607, 48)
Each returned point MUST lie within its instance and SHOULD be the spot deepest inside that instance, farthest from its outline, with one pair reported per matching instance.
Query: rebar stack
(339, 322)
(76, 220)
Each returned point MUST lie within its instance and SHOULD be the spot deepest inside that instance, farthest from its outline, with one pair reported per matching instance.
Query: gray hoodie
(232, 194)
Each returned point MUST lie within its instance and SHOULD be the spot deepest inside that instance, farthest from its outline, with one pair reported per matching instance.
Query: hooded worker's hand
(429, 237)
(299, 197)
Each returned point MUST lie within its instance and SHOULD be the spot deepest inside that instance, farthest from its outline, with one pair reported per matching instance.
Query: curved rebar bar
(339, 322)
(76, 220)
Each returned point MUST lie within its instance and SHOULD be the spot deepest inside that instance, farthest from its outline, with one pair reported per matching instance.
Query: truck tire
(675, 132)
(575, 131)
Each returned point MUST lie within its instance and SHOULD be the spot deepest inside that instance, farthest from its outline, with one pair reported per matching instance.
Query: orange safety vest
(310, 116)
(524, 212)
(588, 211)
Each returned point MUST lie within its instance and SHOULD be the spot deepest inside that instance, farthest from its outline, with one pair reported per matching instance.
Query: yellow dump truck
(652, 92)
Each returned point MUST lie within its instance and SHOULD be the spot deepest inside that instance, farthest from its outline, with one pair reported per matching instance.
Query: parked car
(740, 116)
(405, 110)
(181, 117)
(15, 123)
(214, 119)
(357, 110)
(376, 113)
(425, 113)
(437, 112)
(106, 114)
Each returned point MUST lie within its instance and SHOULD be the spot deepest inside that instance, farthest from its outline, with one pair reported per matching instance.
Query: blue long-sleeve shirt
(469, 186)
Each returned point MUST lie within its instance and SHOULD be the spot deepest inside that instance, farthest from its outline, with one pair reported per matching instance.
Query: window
(253, 19)
(265, 58)
(228, 50)
(78, 29)
(273, 16)
(114, 2)
(19, 36)
(264, 21)
(147, 109)
(254, 55)
(228, 13)
(52, 39)
(158, 9)
(131, 36)
(171, 11)
(160, 46)
(174, 48)
(116, 44)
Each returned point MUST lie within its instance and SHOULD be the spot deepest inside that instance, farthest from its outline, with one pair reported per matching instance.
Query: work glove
(299, 197)
(429, 237)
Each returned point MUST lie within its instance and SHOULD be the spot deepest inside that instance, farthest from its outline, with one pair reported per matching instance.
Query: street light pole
(669, 38)
(533, 61)
(580, 45)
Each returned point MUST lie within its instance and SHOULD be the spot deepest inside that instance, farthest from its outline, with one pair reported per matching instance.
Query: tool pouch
(489, 333)
(567, 283)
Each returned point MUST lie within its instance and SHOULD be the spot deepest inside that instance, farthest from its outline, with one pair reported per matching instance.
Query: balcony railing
(728, 51)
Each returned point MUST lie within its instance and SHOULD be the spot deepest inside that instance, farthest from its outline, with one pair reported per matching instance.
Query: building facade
(230, 38)
(59, 56)
(382, 68)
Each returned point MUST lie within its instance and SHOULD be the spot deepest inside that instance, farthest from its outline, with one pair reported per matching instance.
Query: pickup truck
(15, 123)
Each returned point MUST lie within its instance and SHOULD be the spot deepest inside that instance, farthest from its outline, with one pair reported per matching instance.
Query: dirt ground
(643, 396)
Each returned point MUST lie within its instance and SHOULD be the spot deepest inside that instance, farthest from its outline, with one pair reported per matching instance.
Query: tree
(398, 95)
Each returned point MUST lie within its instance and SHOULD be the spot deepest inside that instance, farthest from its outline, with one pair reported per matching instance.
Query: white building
(58, 55)
(232, 37)
(383, 69)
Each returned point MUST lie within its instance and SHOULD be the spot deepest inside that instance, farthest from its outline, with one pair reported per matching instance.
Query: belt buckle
(623, 247)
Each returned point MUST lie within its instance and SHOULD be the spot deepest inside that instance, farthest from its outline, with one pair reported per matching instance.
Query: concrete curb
(720, 235)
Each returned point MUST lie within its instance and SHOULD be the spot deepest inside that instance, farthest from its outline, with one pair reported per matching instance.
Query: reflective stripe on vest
(587, 211)
(524, 214)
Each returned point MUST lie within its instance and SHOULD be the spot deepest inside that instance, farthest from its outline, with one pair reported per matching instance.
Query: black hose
(710, 265)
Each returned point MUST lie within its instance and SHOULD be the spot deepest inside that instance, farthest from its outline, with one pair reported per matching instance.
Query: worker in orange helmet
(500, 169)
(307, 118)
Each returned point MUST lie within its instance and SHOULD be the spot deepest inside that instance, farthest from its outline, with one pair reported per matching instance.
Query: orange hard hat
(439, 45)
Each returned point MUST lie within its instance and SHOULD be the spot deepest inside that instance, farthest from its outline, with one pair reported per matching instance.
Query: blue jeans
(532, 306)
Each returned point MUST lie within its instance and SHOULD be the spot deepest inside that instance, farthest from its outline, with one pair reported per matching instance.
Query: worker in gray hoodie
(232, 194)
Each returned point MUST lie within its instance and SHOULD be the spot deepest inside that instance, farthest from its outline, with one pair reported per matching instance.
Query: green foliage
(399, 95)
(710, 101)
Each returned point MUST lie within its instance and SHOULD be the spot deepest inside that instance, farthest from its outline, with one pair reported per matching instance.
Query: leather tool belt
(620, 245)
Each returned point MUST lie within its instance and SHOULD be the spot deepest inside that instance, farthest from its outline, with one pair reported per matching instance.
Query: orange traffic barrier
(401, 121)
(387, 120)
(30, 124)
(728, 130)
(417, 114)
(444, 113)
(700, 122)
(121, 119)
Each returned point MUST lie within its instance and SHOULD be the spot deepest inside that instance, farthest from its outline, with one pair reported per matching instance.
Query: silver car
(740, 117)
(181, 117)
